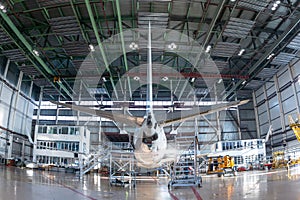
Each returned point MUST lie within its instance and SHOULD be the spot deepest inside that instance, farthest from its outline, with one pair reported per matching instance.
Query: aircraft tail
(149, 104)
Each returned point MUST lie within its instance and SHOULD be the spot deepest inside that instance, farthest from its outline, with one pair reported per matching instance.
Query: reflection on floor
(25, 184)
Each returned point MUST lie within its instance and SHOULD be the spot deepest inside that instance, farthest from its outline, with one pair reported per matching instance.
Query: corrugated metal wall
(15, 107)
(275, 101)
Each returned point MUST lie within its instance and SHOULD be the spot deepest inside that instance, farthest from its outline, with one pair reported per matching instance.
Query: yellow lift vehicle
(295, 126)
(221, 165)
(278, 160)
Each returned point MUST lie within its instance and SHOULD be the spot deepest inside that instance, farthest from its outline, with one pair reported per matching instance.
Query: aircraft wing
(126, 119)
(192, 115)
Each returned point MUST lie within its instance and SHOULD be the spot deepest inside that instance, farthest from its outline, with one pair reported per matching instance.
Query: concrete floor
(25, 184)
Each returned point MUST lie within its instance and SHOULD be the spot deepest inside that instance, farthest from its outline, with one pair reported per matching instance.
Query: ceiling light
(91, 47)
(220, 80)
(275, 5)
(244, 82)
(2, 8)
(104, 79)
(136, 78)
(241, 52)
(208, 48)
(133, 46)
(35, 52)
(172, 46)
(270, 56)
(165, 78)
(193, 79)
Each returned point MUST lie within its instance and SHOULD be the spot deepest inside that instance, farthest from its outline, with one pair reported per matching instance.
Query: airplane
(150, 142)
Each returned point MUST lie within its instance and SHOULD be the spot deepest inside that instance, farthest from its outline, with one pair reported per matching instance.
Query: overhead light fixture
(270, 56)
(208, 48)
(172, 46)
(241, 52)
(193, 79)
(104, 79)
(220, 80)
(91, 47)
(244, 82)
(165, 78)
(2, 8)
(35, 52)
(133, 46)
(136, 78)
(275, 5)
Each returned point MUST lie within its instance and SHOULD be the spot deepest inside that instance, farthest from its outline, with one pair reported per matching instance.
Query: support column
(267, 104)
(256, 115)
(79, 102)
(238, 120)
(294, 88)
(40, 103)
(282, 121)
(12, 124)
(25, 124)
(218, 124)
(23, 150)
(57, 112)
(4, 74)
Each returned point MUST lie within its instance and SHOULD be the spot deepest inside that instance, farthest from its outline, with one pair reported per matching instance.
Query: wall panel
(284, 78)
(288, 105)
(274, 112)
(276, 123)
(261, 109)
(6, 94)
(287, 93)
(263, 118)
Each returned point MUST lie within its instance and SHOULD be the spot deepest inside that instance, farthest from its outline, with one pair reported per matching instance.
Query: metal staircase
(122, 165)
(185, 170)
(95, 158)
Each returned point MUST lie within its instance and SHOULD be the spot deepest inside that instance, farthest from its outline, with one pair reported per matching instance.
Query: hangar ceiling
(50, 41)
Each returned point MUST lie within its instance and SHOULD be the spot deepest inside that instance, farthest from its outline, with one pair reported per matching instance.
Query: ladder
(184, 171)
(95, 158)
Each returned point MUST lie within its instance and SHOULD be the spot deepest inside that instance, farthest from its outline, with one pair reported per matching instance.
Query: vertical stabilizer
(149, 105)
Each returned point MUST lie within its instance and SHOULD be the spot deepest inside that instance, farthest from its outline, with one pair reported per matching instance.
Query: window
(42, 129)
(64, 130)
(72, 131)
(223, 146)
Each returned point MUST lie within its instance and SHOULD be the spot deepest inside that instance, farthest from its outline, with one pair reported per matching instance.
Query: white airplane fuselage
(150, 143)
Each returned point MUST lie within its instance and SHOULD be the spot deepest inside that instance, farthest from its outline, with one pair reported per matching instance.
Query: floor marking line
(72, 189)
(196, 193)
(173, 196)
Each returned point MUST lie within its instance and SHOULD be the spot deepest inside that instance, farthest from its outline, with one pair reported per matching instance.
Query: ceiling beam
(260, 63)
(24, 45)
(95, 29)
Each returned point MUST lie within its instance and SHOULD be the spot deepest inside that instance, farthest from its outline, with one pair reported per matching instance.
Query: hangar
(148, 95)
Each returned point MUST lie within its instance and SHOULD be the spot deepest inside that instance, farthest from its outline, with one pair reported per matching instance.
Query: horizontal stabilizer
(126, 119)
(192, 115)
